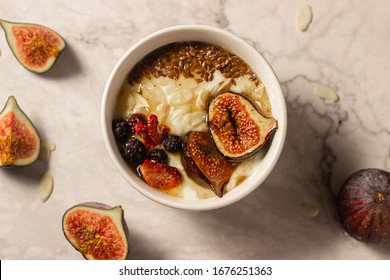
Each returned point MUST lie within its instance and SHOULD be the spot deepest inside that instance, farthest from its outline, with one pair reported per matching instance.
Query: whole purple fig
(364, 205)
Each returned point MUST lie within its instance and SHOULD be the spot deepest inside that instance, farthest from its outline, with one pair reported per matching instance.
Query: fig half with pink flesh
(19, 139)
(364, 205)
(204, 163)
(237, 126)
(97, 231)
(35, 46)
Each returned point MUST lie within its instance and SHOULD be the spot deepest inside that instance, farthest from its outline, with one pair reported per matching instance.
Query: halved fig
(204, 163)
(35, 46)
(97, 231)
(364, 205)
(238, 128)
(19, 139)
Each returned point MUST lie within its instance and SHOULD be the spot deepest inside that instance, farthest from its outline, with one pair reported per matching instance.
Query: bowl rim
(201, 204)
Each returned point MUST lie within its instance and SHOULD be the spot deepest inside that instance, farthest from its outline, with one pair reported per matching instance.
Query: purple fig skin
(230, 121)
(210, 169)
(190, 166)
(364, 206)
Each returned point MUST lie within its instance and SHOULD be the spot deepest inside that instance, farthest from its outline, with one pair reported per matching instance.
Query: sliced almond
(45, 187)
(326, 92)
(44, 153)
(46, 148)
(310, 210)
(303, 18)
(51, 145)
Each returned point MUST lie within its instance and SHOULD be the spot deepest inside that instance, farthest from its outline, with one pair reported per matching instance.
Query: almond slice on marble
(51, 145)
(46, 148)
(46, 185)
(303, 18)
(310, 210)
(326, 92)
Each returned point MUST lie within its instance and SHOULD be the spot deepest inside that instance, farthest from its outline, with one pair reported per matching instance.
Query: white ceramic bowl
(237, 46)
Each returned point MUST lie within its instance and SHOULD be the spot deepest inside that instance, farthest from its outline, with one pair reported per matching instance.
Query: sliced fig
(238, 128)
(19, 139)
(364, 205)
(35, 46)
(97, 231)
(204, 163)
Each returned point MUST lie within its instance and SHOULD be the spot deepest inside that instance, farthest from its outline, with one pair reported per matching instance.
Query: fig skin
(364, 206)
(47, 45)
(204, 163)
(103, 210)
(237, 125)
(20, 142)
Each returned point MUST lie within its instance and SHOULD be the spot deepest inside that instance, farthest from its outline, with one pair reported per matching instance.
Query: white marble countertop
(346, 47)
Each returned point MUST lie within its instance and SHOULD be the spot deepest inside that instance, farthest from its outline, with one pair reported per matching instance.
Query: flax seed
(191, 59)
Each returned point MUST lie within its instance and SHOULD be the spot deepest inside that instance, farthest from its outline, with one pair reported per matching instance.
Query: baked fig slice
(19, 139)
(35, 46)
(204, 163)
(238, 128)
(364, 205)
(97, 231)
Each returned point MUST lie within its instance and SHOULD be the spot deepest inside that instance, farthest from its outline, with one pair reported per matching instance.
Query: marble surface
(345, 48)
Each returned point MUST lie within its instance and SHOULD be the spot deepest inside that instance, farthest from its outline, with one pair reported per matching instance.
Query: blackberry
(121, 129)
(157, 155)
(134, 150)
(172, 143)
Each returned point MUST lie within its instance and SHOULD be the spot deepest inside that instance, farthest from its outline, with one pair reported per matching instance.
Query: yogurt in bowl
(173, 74)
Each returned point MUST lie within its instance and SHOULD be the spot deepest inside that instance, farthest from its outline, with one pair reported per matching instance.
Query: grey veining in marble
(345, 48)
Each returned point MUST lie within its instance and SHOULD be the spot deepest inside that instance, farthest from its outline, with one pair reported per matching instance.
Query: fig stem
(379, 197)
